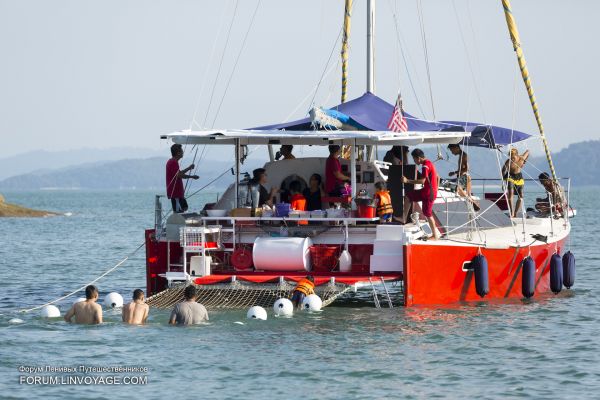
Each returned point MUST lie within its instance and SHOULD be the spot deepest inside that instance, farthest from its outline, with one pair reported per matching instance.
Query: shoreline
(8, 210)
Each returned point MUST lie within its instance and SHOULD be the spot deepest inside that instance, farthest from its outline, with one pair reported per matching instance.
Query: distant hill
(579, 161)
(42, 160)
(148, 173)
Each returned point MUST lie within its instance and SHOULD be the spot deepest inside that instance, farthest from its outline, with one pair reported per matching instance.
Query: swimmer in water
(136, 312)
(304, 287)
(88, 311)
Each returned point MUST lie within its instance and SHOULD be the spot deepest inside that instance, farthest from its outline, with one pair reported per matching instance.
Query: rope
(87, 284)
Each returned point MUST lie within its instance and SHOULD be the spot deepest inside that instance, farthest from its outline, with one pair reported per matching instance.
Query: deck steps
(387, 249)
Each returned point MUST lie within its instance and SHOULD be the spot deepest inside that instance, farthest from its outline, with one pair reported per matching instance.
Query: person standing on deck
(463, 179)
(88, 311)
(175, 176)
(136, 312)
(334, 178)
(513, 176)
(397, 155)
(429, 179)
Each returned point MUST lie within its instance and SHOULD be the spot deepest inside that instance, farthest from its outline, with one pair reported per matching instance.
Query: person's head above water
(310, 278)
(177, 151)
(91, 292)
(138, 294)
(189, 292)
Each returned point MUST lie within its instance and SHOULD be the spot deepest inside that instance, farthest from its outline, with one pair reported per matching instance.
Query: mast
(345, 39)
(516, 41)
(370, 46)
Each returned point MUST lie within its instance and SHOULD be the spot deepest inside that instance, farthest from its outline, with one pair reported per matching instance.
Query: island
(13, 210)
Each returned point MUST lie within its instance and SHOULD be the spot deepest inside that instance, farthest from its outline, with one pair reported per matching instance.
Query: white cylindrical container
(282, 254)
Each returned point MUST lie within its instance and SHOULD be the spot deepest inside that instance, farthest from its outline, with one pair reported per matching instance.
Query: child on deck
(383, 202)
(304, 287)
(297, 199)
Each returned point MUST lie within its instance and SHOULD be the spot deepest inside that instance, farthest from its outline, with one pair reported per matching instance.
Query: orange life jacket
(298, 203)
(384, 205)
(305, 286)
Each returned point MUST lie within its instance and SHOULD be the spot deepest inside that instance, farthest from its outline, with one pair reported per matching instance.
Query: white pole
(237, 173)
(353, 170)
(370, 46)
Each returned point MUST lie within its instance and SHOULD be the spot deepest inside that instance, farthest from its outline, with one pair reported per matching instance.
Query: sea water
(546, 347)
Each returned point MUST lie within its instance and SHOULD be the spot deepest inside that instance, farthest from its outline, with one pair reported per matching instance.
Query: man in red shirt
(175, 190)
(429, 179)
(334, 179)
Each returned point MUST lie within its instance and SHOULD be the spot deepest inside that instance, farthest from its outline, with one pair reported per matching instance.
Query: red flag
(398, 122)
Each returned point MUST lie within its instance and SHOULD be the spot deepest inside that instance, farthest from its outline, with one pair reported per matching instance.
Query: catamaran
(239, 255)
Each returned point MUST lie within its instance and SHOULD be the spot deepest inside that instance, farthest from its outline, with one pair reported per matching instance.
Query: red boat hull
(433, 274)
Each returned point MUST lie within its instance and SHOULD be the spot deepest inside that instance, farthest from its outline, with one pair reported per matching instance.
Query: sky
(121, 73)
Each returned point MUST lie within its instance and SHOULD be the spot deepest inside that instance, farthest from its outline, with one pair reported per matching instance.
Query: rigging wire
(440, 156)
(312, 102)
(236, 62)
(425, 54)
(405, 58)
(212, 93)
(471, 70)
(205, 79)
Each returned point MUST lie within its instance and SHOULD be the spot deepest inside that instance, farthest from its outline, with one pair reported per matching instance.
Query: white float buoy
(283, 308)
(79, 300)
(15, 321)
(113, 300)
(50, 311)
(257, 312)
(312, 302)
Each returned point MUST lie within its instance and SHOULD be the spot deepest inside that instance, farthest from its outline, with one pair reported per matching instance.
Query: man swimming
(136, 312)
(86, 312)
(188, 312)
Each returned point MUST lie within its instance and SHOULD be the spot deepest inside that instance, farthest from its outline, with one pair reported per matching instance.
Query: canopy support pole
(353, 169)
(237, 172)
(271, 156)
(516, 41)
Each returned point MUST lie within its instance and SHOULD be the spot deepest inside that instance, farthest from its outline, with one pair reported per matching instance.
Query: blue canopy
(373, 114)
